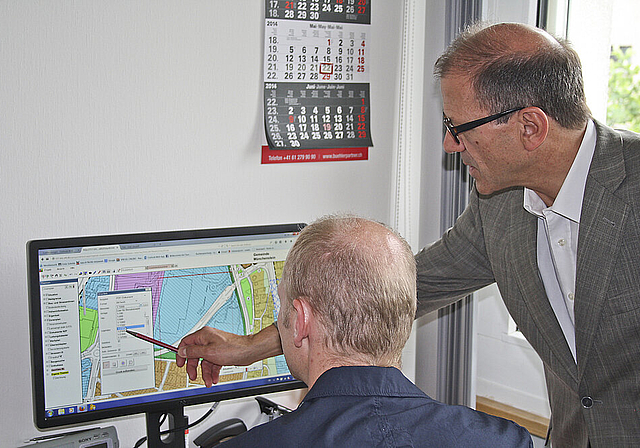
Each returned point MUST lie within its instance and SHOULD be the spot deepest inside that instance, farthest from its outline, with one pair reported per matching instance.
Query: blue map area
(86, 371)
(229, 317)
(93, 286)
(281, 364)
(187, 295)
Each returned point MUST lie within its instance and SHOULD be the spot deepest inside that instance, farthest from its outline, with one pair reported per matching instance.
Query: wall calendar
(316, 80)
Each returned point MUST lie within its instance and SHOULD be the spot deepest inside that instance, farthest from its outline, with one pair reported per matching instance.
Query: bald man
(348, 300)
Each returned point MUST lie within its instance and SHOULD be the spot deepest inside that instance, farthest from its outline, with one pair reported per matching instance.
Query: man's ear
(535, 127)
(301, 320)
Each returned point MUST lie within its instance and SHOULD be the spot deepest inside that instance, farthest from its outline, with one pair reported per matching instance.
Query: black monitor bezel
(35, 324)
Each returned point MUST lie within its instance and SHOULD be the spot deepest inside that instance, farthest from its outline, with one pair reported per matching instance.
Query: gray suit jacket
(494, 240)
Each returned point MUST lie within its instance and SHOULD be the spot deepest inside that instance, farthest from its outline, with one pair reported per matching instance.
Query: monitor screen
(87, 293)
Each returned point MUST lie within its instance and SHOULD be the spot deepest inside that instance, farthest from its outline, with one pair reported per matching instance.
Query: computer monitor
(86, 292)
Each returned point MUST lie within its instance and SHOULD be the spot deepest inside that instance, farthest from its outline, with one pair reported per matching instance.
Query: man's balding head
(359, 277)
(513, 65)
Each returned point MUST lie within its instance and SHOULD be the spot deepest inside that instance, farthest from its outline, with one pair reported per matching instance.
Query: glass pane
(623, 106)
(606, 35)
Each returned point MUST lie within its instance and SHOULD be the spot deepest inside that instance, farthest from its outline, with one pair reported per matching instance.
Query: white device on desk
(91, 438)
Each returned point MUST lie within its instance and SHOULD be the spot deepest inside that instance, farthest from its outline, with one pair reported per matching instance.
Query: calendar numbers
(324, 52)
(308, 115)
(352, 11)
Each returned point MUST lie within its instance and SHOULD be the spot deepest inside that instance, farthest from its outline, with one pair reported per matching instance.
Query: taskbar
(164, 396)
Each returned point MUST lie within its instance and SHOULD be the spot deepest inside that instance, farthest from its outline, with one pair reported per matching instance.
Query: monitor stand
(177, 419)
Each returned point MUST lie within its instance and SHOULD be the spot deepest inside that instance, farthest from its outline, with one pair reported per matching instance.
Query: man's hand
(218, 348)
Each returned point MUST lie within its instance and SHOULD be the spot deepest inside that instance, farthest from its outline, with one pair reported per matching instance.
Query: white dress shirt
(557, 241)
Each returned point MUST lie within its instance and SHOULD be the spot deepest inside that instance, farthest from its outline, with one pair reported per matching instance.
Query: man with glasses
(553, 219)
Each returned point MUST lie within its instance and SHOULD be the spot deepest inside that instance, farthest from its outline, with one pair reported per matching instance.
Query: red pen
(144, 337)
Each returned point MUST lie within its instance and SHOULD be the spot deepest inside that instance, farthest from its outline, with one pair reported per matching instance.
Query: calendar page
(316, 80)
(310, 52)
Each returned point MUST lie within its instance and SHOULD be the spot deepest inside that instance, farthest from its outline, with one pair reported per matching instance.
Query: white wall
(145, 115)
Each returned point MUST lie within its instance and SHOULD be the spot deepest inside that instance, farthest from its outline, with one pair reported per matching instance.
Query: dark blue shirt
(379, 407)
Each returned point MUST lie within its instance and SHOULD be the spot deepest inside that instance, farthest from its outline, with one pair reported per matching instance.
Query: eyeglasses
(455, 130)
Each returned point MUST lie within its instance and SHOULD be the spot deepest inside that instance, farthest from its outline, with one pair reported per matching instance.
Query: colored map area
(240, 299)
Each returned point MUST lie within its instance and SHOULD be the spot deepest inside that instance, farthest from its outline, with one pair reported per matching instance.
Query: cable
(180, 428)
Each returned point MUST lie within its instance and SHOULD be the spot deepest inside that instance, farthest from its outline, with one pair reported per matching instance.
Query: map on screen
(238, 298)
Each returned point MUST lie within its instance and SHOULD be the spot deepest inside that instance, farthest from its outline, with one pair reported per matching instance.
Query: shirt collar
(362, 381)
(568, 203)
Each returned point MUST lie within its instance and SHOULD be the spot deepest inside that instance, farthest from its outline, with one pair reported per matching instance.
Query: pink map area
(151, 280)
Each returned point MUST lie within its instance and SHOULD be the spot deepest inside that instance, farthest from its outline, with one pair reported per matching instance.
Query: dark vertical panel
(455, 322)
(542, 14)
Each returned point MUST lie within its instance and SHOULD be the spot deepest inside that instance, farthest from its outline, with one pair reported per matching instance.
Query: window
(606, 36)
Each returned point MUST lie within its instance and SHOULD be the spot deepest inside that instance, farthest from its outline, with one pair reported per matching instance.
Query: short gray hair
(359, 278)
